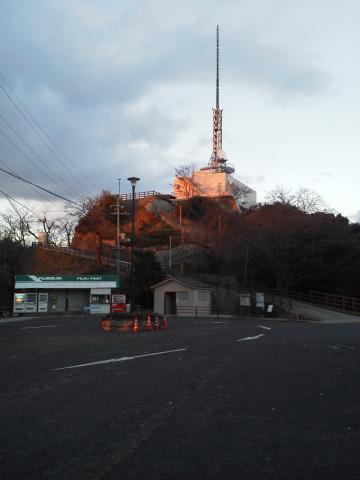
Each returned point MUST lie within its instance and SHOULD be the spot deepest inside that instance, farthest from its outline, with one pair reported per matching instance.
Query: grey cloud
(101, 62)
(79, 66)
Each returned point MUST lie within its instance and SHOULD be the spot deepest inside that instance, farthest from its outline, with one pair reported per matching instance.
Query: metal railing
(150, 193)
(193, 311)
(91, 255)
(331, 301)
(328, 300)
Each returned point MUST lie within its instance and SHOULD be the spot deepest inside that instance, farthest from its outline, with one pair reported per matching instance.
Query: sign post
(118, 303)
(245, 301)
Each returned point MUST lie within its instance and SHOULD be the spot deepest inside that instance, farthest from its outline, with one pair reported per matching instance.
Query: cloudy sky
(122, 88)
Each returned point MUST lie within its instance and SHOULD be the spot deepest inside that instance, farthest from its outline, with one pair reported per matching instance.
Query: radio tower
(217, 162)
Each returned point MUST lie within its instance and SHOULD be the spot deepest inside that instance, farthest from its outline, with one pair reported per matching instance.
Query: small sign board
(270, 308)
(260, 300)
(118, 298)
(118, 303)
(245, 299)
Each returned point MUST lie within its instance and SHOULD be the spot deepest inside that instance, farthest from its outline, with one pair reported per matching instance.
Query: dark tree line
(282, 246)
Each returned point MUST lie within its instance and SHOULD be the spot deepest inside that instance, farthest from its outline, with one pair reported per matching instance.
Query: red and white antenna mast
(217, 160)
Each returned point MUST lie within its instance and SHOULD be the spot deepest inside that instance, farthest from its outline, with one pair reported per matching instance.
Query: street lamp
(118, 234)
(133, 181)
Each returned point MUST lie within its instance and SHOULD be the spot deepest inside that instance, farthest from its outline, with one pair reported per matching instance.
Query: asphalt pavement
(204, 399)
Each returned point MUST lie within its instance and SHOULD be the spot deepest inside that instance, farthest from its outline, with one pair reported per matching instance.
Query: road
(205, 399)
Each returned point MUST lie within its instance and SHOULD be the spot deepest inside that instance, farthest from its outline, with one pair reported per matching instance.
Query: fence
(328, 300)
(150, 193)
(190, 311)
(107, 256)
(331, 301)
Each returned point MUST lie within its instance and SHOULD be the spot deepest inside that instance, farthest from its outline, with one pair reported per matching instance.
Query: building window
(183, 296)
(202, 295)
(219, 187)
(100, 299)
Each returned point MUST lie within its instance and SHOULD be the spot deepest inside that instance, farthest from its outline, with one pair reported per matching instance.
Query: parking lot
(206, 398)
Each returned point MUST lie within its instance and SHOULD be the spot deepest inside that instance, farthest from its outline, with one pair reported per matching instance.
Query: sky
(126, 88)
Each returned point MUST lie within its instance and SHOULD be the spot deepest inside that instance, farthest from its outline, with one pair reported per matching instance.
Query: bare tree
(52, 228)
(18, 223)
(185, 180)
(67, 227)
(303, 198)
(240, 192)
(309, 201)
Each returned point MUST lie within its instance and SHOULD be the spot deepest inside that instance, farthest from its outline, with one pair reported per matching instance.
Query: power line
(42, 188)
(30, 186)
(9, 197)
(30, 159)
(31, 149)
(35, 130)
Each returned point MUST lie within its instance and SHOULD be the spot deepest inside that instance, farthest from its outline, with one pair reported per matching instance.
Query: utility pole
(170, 246)
(182, 242)
(246, 266)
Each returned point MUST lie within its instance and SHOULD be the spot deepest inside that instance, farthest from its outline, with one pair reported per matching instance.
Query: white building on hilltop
(216, 179)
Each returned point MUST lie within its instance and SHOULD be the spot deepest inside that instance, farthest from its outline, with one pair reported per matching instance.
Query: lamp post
(133, 181)
(118, 234)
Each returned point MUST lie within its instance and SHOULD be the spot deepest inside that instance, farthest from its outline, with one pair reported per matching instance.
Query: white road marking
(264, 328)
(120, 359)
(41, 326)
(250, 338)
(219, 322)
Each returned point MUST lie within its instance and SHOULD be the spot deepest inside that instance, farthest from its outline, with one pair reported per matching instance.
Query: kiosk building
(64, 293)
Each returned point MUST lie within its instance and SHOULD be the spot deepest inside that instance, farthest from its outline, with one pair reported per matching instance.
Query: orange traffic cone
(156, 323)
(164, 323)
(136, 325)
(106, 325)
(148, 323)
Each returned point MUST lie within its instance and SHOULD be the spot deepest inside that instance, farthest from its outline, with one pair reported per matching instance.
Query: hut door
(170, 303)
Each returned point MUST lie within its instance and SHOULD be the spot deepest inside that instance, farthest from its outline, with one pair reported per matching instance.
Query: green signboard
(66, 281)
(65, 278)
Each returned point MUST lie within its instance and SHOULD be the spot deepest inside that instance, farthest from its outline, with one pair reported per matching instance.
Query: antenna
(217, 66)
(217, 162)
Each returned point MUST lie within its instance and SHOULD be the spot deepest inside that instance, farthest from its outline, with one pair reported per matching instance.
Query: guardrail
(328, 300)
(331, 301)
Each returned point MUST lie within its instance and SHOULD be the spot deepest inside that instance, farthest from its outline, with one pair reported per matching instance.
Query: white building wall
(210, 184)
(183, 306)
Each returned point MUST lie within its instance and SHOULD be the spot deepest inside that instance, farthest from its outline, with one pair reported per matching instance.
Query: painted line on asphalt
(41, 326)
(251, 338)
(120, 359)
(264, 328)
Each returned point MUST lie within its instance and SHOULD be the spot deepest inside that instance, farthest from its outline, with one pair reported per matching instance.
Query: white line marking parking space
(264, 328)
(251, 338)
(40, 326)
(120, 359)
